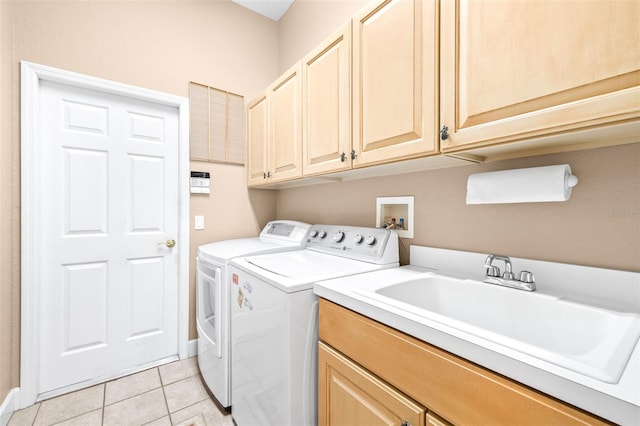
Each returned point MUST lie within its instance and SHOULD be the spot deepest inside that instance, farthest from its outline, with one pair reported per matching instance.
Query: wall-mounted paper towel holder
(530, 185)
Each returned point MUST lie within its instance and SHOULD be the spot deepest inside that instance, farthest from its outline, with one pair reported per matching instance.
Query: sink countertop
(619, 402)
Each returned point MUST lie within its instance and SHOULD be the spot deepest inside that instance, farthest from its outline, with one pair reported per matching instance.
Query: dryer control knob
(371, 240)
(313, 233)
(322, 234)
(358, 239)
(338, 236)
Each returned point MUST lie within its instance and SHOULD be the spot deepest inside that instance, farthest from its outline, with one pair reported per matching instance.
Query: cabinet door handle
(343, 157)
(353, 154)
(268, 174)
(444, 133)
(264, 175)
(405, 423)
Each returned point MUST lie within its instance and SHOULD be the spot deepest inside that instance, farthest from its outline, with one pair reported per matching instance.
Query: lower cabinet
(349, 395)
(372, 374)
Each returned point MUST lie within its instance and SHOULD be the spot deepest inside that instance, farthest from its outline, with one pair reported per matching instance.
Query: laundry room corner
(229, 211)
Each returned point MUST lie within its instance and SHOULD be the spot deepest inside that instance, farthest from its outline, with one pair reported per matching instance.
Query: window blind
(216, 125)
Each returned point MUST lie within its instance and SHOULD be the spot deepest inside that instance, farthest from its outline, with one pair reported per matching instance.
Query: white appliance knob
(371, 240)
(313, 233)
(322, 234)
(338, 236)
(357, 239)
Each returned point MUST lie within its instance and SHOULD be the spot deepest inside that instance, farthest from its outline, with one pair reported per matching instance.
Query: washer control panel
(349, 241)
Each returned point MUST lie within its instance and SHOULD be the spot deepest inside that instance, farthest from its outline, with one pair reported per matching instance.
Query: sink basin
(588, 340)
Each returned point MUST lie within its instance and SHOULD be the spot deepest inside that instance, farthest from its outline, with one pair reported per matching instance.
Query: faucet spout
(508, 269)
(507, 279)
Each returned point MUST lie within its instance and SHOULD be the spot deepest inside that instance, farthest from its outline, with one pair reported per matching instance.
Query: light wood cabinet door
(515, 70)
(395, 81)
(285, 130)
(257, 141)
(349, 395)
(326, 72)
(461, 391)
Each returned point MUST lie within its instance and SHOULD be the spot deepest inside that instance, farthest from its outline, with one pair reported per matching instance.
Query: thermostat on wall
(200, 183)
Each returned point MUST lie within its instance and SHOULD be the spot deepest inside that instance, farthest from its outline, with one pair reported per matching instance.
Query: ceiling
(273, 9)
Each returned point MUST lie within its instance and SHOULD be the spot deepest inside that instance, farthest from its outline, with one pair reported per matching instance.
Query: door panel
(145, 302)
(395, 81)
(326, 106)
(84, 311)
(85, 183)
(350, 395)
(505, 78)
(147, 189)
(285, 112)
(109, 297)
(257, 141)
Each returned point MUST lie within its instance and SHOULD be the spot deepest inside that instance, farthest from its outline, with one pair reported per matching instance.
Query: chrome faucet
(525, 281)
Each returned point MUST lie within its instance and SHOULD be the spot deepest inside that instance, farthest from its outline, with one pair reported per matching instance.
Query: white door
(110, 202)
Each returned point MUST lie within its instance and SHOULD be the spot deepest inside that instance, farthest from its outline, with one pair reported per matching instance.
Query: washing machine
(275, 320)
(213, 297)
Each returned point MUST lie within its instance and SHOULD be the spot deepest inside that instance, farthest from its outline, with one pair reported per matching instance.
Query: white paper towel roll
(535, 184)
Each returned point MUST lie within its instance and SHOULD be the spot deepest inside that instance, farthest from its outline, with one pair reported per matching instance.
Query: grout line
(79, 415)
(164, 394)
(104, 401)
(37, 412)
(160, 375)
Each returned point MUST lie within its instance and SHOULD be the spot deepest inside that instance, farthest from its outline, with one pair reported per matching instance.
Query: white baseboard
(8, 406)
(193, 348)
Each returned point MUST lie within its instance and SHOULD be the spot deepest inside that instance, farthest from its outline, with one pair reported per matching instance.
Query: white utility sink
(589, 340)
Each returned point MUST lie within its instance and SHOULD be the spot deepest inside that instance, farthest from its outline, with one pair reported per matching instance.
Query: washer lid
(222, 251)
(308, 265)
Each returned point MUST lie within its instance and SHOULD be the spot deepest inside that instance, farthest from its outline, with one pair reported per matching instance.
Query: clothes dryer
(213, 301)
(275, 323)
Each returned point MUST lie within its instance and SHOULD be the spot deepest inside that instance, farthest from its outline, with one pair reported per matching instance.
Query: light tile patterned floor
(172, 394)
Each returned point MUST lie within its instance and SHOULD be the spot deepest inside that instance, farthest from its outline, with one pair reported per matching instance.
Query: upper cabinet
(326, 111)
(274, 133)
(285, 110)
(370, 89)
(517, 70)
(395, 84)
(257, 140)
(475, 80)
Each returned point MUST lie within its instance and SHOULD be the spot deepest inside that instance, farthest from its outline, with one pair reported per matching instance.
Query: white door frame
(31, 77)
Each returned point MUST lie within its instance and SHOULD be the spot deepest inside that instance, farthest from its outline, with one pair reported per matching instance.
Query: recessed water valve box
(395, 213)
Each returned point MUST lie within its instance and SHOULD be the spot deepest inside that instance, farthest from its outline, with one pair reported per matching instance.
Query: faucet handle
(508, 275)
(527, 277)
(493, 271)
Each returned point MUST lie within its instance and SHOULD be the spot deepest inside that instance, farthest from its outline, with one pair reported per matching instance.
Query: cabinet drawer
(456, 389)
(349, 395)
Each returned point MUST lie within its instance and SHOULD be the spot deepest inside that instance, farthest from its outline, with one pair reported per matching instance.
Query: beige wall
(599, 225)
(157, 45)
(309, 22)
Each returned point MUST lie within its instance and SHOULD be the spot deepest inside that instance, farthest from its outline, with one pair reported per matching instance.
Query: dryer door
(209, 302)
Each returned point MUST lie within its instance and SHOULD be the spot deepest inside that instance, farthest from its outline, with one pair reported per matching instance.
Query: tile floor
(172, 394)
